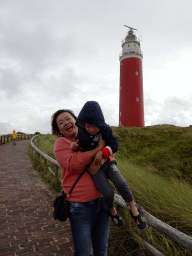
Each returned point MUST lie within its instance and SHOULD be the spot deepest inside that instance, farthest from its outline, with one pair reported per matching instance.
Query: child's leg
(120, 183)
(102, 184)
(133, 208)
(114, 175)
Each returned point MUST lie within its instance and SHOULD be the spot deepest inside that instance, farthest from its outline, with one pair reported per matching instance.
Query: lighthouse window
(136, 73)
(120, 113)
(121, 63)
(137, 99)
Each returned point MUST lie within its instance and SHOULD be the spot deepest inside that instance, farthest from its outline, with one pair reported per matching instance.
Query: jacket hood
(13, 131)
(92, 114)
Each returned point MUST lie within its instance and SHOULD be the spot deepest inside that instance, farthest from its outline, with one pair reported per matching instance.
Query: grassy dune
(157, 163)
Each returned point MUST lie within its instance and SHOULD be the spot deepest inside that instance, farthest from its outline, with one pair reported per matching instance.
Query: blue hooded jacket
(92, 114)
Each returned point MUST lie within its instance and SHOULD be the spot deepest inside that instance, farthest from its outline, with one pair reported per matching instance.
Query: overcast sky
(57, 54)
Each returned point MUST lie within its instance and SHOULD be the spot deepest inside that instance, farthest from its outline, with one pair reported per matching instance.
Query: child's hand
(74, 146)
(98, 160)
(101, 143)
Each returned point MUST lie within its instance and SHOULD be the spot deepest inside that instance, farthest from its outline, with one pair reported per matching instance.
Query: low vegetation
(156, 162)
(164, 150)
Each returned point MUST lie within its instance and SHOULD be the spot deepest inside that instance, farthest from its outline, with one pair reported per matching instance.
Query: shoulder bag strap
(80, 175)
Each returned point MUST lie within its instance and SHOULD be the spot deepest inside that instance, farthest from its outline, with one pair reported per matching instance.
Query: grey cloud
(10, 82)
(151, 106)
(29, 47)
(172, 110)
(6, 128)
(46, 45)
(34, 51)
(65, 85)
(37, 123)
(175, 104)
(179, 119)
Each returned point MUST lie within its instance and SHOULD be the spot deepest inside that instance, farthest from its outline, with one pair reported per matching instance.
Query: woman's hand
(98, 160)
(96, 164)
(93, 168)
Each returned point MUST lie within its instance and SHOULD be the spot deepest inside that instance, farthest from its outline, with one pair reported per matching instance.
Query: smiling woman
(59, 116)
(66, 125)
(88, 213)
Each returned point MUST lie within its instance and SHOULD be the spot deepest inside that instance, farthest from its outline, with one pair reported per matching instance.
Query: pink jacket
(72, 164)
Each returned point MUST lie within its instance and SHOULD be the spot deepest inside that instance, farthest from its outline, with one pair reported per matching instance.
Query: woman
(88, 213)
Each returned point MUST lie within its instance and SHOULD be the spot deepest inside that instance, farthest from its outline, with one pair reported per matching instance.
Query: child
(14, 136)
(91, 124)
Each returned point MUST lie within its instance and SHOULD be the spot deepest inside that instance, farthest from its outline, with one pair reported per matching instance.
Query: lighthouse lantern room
(131, 106)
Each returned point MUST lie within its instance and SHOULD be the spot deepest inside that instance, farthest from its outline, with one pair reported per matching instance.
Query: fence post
(8, 138)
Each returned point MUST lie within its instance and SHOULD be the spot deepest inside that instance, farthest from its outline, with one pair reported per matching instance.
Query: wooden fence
(163, 228)
(47, 159)
(7, 138)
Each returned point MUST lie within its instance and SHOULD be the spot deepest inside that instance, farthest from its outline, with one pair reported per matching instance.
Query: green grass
(165, 150)
(157, 163)
(46, 144)
(168, 201)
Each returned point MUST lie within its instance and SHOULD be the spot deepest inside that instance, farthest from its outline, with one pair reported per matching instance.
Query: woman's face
(66, 125)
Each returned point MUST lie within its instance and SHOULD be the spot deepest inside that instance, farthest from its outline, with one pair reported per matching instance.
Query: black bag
(61, 207)
(61, 204)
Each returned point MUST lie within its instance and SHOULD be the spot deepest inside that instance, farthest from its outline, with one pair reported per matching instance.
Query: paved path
(26, 223)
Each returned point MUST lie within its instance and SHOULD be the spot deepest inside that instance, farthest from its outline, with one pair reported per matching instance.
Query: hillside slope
(164, 150)
(156, 162)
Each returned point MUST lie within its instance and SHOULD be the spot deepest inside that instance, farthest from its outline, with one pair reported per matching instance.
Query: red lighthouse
(131, 107)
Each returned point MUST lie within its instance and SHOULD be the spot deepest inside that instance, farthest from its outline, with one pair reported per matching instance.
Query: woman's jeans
(14, 141)
(90, 226)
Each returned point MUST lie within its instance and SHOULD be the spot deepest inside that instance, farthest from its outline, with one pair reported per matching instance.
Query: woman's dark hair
(55, 129)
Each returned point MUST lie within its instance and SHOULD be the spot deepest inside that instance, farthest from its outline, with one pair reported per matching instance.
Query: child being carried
(91, 124)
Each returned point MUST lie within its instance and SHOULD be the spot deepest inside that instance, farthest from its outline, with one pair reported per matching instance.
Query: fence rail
(163, 228)
(47, 159)
(7, 138)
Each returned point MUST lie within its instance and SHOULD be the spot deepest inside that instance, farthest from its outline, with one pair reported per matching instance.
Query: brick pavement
(27, 226)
